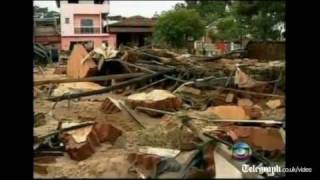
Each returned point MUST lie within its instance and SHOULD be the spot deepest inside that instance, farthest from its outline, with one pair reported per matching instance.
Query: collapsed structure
(177, 115)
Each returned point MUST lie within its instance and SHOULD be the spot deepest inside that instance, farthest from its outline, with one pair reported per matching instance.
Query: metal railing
(87, 30)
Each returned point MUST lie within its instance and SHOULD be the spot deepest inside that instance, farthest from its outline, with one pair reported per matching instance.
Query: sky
(125, 8)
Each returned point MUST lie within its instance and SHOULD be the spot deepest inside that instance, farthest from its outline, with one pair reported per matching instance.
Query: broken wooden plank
(110, 106)
(155, 110)
(110, 88)
(90, 79)
(75, 68)
(150, 85)
(132, 114)
(153, 67)
(80, 125)
(161, 59)
(251, 92)
(150, 71)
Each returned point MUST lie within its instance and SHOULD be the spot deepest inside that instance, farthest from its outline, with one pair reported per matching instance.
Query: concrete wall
(97, 40)
(95, 17)
(69, 10)
(83, 10)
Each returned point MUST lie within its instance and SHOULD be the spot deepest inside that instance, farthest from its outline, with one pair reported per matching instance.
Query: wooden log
(90, 79)
(110, 88)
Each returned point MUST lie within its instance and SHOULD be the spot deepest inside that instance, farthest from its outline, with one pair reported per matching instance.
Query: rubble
(39, 119)
(232, 100)
(146, 162)
(157, 99)
(266, 139)
(273, 104)
(73, 88)
(60, 70)
(110, 106)
(76, 68)
(245, 102)
(229, 98)
(159, 151)
(80, 143)
(229, 112)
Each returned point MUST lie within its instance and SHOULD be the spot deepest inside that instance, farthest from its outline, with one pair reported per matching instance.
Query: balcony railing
(87, 30)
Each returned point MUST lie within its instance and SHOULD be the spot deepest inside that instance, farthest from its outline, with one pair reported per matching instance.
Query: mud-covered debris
(39, 119)
(229, 112)
(266, 139)
(229, 97)
(74, 88)
(156, 99)
(60, 70)
(80, 143)
(273, 104)
(245, 102)
(110, 106)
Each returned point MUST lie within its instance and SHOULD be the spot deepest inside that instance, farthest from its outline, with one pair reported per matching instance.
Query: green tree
(174, 27)
(255, 18)
(209, 10)
(259, 18)
(179, 6)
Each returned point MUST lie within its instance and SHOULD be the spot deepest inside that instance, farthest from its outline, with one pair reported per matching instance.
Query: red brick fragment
(100, 132)
(144, 161)
(109, 107)
(107, 132)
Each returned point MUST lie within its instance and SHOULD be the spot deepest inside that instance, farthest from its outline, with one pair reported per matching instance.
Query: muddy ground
(109, 161)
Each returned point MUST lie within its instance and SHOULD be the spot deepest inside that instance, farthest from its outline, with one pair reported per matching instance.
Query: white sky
(124, 8)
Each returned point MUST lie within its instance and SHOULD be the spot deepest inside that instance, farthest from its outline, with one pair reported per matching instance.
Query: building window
(67, 20)
(87, 22)
(86, 27)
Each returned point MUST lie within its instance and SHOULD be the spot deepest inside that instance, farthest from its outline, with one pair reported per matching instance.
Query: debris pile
(156, 99)
(183, 109)
(80, 143)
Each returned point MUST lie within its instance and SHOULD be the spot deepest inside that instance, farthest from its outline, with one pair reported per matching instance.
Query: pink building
(82, 22)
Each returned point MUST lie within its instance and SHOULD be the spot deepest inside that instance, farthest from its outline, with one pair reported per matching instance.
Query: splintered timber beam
(150, 71)
(153, 67)
(146, 54)
(110, 88)
(251, 92)
(152, 84)
(90, 79)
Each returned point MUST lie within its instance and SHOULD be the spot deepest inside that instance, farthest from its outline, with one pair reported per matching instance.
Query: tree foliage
(255, 18)
(174, 27)
(260, 17)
